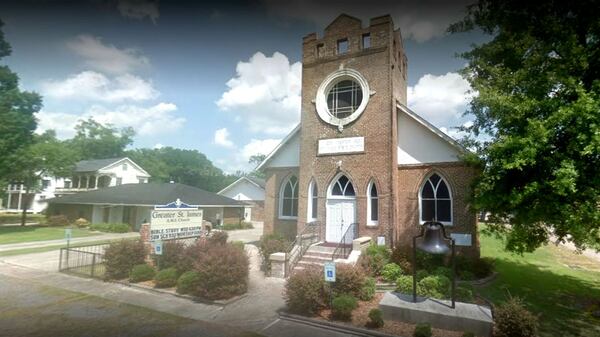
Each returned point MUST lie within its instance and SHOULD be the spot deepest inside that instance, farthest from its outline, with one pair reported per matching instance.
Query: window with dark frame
(289, 198)
(373, 204)
(320, 49)
(314, 200)
(344, 98)
(366, 41)
(342, 46)
(436, 202)
(343, 187)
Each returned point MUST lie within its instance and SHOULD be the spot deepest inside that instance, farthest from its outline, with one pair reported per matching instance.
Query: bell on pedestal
(433, 239)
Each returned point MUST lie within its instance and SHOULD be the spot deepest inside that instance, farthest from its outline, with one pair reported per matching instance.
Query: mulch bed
(360, 316)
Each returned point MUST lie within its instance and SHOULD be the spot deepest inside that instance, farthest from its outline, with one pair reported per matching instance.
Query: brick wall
(272, 223)
(232, 215)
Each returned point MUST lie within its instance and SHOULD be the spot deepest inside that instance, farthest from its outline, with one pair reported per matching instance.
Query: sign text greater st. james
(175, 224)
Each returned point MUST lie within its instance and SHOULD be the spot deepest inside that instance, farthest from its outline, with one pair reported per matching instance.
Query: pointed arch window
(372, 204)
(435, 200)
(343, 187)
(288, 200)
(313, 200)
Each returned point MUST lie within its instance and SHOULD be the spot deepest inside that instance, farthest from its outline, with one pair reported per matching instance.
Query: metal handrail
(344, 247)
(310, 234)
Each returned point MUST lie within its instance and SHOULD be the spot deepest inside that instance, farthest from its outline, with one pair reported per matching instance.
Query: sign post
(68, 235)
(329, 273)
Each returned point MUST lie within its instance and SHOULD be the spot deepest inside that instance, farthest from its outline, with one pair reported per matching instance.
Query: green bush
(421, 274)
(429, 261)
(111, 227)
(121, 256)
(374, 259)
(402, 257)
(512, 319)
(391, 272)
(464, 293)
(55, 220)
(468, 334)
(223, 272)
(469, 268)
(368, 290)
(141, 272)
(81, 223)
(218, 238)
(238, 244)
(305, 291)
(187, 282)
(174, 255)
(342, 307)
(166, 278)
(404, 284)
(435, 286)
(422, 330)
(375, 319)
(269, 244)
(240, 225)
(348, 280)
(443, 271)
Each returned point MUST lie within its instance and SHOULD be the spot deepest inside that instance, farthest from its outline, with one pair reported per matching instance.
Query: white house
(87, 175)
(250, 190)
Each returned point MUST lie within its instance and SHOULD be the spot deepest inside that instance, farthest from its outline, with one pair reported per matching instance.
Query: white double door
(340, 213)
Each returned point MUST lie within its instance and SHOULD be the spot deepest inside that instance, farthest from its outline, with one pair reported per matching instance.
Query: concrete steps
(315, 256)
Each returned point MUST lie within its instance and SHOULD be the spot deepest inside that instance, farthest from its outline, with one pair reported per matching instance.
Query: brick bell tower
(352, 78)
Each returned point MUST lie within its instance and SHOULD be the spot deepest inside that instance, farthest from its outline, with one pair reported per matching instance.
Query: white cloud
(259, 146)
(139, 9)
(265, 93)
(94, 86)
(146, 121)
(222, 138)
(440, 99)
(158, 146)
(107, 57)
(237, 160)
(418, 20)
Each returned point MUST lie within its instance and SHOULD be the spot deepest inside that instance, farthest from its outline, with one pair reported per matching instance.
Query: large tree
(17, 120)
(537, 119)
(94, 140)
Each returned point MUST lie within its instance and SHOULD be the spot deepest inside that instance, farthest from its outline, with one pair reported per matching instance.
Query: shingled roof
(95, 164)
(150, 194)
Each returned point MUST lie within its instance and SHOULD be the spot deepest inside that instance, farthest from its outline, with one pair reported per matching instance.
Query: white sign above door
(341, 145)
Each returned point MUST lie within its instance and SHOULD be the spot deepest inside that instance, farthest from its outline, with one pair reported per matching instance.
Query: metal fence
(83, 261)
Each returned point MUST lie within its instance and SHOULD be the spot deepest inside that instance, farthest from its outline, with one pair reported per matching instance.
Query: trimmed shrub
(436, 286)
(464, 293)
(141, 272)
(375, 319)
(173, 256)
(218, 238)
(469, 268)
(342, 307)
(111, 227)
(187, 282)
(56, 220)
(348, 280)
(166, 278)
(269, 244)
(305, 291)
(374, 259)
(121, 256)
(429, 261)
(402, 257)
(512, 319)
(223, 272)
(391, 272)
(423, 330)
(81, 223)
(404, 284)
(238, 244)
(240, 225)
(368, 290)
(443, 271)
(421, 274)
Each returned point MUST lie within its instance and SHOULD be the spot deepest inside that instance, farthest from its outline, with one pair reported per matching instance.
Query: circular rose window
(342, 97)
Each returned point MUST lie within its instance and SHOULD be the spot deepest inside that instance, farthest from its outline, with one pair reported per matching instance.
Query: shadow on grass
(563, 302)
(18, 229)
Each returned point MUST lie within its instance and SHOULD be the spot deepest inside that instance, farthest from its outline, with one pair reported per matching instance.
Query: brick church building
(359, 155)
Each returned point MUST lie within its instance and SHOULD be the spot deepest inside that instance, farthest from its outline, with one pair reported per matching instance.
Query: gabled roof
(258, 182)
(278, 147)
(431, 127)
(150, 194)
(95, 164)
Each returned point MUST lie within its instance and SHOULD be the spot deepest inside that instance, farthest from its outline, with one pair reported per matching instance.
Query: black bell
(433, 239)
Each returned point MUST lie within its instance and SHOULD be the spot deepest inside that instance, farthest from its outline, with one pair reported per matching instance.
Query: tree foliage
(188, 167)
(94, 140)
(537, 119)
(17, 120)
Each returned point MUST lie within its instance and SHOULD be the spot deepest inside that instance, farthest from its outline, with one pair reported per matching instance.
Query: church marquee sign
(341, 145)
(176, 220)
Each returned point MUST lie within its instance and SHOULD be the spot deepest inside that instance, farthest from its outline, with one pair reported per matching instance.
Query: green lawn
(560, 286)
(18, 234)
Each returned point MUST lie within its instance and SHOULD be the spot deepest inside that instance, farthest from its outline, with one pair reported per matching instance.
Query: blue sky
(223, 78)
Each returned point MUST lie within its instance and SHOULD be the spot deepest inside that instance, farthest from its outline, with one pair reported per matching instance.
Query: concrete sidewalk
(47, 243)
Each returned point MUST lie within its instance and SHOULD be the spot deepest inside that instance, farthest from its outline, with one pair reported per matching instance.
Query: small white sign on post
(158, 247)
(329, 269)
(68, 234)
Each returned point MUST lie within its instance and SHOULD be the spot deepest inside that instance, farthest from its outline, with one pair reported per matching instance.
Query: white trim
(281, 190)
(432, 128)
(331, 80)
(237, 181)
(310, 204)
(120, 160)
(445, 223)
(278, 147)
(369, 221)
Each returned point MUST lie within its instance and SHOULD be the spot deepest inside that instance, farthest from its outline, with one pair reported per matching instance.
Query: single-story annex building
(132, 203)
(251, 190)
